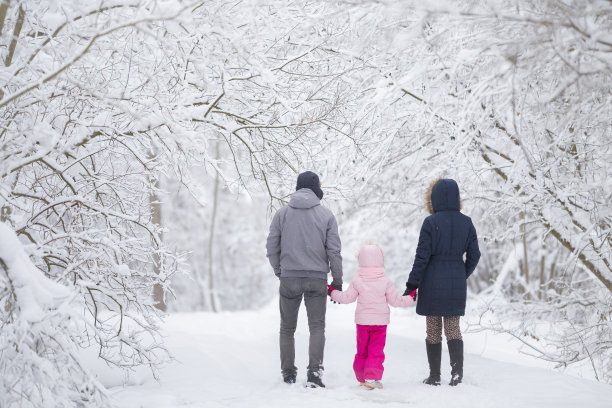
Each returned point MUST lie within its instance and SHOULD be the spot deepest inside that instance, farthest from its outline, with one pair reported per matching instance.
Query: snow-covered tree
(513, 99)
(100, 102)
(108, 109)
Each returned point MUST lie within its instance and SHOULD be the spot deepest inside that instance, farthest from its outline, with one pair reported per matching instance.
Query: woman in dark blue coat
(440, 274)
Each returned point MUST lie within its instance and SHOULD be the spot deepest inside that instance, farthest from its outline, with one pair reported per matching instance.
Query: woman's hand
(411, 291)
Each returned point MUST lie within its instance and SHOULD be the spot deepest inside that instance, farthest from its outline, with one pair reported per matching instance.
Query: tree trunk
(156, 214)
(18, 26)
(542, 266)
(4, 5)
(211, 274)
(525, 259)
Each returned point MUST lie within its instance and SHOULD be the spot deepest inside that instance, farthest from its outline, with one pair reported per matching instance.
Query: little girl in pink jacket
(373, 292)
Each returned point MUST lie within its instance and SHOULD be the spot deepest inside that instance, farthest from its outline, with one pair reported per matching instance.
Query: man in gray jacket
(302, 246)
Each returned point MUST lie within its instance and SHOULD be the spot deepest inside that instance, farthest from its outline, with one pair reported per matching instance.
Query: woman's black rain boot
(434, 356)
(455, 352)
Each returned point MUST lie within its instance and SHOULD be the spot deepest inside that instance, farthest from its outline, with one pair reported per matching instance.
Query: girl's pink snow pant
(370, 355)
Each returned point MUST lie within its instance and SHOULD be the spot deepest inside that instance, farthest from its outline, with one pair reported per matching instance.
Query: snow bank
(36, 294)
(231, 360)
(41, 326)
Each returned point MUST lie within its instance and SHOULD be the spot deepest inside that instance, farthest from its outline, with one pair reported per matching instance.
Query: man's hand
(331, 288)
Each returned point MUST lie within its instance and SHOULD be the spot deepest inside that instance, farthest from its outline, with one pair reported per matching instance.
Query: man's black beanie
(310, 180)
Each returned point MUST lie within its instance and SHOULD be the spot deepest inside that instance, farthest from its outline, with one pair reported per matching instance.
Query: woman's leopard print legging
(434, 328)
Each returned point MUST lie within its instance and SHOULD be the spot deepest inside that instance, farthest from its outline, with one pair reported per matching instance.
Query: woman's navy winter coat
(439, 271)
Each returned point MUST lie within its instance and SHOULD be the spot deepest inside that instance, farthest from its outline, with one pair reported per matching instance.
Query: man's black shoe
(314, 380)
(289, 378)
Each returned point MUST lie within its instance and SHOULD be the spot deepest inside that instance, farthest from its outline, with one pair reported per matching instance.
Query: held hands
(331, 288)
(411, 291)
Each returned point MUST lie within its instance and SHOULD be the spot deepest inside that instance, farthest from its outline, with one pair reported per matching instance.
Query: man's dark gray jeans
(291, 291)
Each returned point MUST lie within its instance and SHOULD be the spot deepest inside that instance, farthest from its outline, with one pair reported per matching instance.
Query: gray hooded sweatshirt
(303, 241)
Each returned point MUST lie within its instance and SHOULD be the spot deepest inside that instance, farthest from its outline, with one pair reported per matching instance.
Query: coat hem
(303, 274)
(440, 314)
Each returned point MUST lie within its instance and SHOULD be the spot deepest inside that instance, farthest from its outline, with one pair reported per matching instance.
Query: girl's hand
(330, 289)
(411, 291)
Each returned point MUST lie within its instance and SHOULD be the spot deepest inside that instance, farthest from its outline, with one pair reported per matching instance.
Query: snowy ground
(231, 360)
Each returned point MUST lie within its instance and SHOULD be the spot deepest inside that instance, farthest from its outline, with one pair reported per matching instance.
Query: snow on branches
(513, 99)
(77, 174)
(99, 102)
(41, 323)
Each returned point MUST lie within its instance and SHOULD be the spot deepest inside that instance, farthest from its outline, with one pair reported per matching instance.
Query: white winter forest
(145, 146)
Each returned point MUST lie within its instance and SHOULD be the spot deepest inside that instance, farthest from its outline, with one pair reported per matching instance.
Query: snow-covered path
(231, 360)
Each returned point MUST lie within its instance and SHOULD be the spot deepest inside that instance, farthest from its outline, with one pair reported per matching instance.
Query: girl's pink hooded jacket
(372, 290)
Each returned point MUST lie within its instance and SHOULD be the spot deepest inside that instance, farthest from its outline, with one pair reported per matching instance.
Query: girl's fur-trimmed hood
(449, 184)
